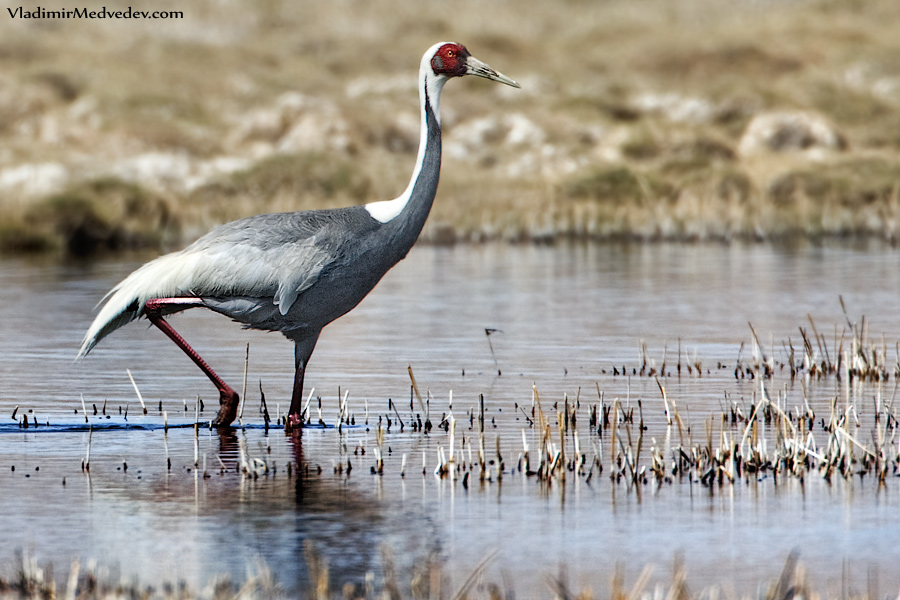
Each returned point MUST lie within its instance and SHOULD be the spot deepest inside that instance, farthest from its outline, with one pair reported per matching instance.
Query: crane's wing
(275, 256)
(271, 256)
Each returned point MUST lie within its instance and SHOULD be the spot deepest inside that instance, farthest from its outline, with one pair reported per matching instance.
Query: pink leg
(228, 398)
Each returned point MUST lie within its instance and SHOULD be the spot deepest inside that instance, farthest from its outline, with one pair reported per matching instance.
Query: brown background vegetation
(694, 120)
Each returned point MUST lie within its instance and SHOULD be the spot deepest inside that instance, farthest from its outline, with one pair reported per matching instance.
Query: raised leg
(155, 308)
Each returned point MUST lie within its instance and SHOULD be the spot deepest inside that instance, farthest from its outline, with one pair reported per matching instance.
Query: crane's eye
(450, 53)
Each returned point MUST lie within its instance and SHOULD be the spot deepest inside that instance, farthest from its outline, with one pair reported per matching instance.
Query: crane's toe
(228, 407)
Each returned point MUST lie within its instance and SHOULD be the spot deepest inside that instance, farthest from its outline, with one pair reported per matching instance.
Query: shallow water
(566, 318)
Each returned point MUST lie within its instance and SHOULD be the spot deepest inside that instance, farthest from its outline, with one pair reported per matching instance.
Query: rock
(315, 132)
(34, 179)
(675, 107)
(156, 170)
(295, 123)
(522, 131)
(210, 170)
(175, 171)
(789, 132)
(469, 141)
(512, 145)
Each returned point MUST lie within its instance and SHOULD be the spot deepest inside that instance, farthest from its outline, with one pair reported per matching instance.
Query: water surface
(565, 316)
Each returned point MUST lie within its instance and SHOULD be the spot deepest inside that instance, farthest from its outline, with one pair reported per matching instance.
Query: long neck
(405, 215)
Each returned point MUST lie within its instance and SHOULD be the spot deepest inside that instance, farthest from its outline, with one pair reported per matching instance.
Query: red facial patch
(450, 60)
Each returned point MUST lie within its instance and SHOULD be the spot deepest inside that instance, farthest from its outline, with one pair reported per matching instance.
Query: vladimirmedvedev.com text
(83, 13)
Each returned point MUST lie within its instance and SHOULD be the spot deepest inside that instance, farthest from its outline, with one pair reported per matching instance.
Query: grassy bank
(693, 121)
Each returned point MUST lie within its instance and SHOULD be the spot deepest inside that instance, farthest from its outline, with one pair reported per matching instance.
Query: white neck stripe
(430, 86)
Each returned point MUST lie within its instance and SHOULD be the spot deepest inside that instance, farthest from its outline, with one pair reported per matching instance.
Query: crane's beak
(476, 67)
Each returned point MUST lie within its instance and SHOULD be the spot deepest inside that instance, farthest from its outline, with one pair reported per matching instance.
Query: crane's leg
(228, 398)
(303, 349)
(294, 414)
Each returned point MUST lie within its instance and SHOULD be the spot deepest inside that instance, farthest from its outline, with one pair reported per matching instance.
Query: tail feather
(198, 270)
(125, 302)
(108, 320)
(122, 305)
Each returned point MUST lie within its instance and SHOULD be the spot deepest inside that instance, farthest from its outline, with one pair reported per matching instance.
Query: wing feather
(276, 256)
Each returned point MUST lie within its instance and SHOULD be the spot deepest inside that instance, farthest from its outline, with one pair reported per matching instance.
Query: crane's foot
(228, 407)
(293, 424)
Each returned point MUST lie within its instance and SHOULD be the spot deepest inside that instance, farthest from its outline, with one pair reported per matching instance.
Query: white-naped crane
(293, 272)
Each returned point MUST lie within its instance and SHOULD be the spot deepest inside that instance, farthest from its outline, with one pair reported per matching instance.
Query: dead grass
(663, 92)
(93, 216)
(282, 182)
(428, 579)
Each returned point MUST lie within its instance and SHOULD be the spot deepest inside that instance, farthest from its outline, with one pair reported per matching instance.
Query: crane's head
(453, 60)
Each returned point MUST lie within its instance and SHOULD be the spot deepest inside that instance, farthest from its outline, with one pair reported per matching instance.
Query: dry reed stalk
(628, 460)
(612, 442)
(319, 577)
(463, 590)
(481, 413)
(415, 387)
(392, 404)
(244, 386)
(749, 428)
(196, 432)
(264, 409)
(441, 468)
(500, 463)
(482, 462)
(562, 446)
(525, 457)
(304, 413)
(379, 443)
(72, 582)
(820, 342)
(166, 451)
(536, 401)
(640, 584)
(488, 332)
(343, 409)
(137, 391)
(579, 457)
(678, 590)
(86, 466)
(657, 463)
(244, 455)
(452, 439)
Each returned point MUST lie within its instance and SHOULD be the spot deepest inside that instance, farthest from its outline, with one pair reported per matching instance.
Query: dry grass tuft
(428, 579)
